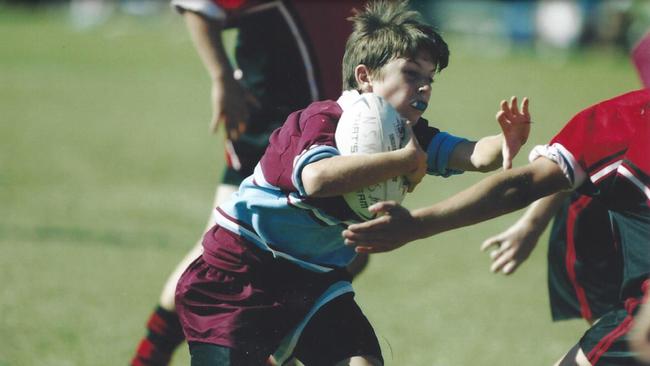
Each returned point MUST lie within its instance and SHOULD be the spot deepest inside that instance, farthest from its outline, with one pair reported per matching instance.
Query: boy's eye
(414, 76)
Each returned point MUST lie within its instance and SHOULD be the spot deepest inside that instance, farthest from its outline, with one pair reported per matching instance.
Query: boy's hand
(515, 125)
(511, 248)
(415, 152)
(393, 228)
(230, 107)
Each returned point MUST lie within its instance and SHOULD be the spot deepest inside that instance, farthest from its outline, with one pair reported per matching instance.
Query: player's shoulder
(317, 117)
(326, 110)
(612, 114)
(633, 102)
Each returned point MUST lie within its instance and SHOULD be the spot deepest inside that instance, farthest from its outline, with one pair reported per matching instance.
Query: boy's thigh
(337, 331)
(205, 354)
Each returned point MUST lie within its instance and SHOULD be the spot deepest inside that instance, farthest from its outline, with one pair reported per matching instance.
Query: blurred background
(107, 173)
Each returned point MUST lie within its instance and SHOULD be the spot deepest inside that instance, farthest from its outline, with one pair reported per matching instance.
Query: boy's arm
(513, 246)
(490, 152)
(493, 196)
(229, 98)
(342, 174)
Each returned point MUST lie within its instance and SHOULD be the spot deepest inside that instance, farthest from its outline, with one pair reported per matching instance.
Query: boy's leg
(575, 357)
(205, 354)
(164, 334)
(339, 334)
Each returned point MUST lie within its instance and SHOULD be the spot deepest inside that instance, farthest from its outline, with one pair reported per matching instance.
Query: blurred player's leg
(640, 334)
(575, 357)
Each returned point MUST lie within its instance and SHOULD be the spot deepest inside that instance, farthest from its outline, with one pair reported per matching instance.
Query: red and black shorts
(606, 342)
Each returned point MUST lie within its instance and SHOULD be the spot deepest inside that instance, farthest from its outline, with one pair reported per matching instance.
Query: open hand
(515, 125)
(230, 107)
(511, 248)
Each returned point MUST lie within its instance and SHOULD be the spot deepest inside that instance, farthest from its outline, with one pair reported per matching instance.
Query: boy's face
(406, 84)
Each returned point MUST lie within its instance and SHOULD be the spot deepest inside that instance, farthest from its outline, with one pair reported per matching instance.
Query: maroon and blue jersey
(272, 209)
(604, 152)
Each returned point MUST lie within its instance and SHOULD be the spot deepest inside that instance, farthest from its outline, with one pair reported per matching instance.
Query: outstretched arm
(229, 98)
(491, 152)
(513, 246)
(493, 196)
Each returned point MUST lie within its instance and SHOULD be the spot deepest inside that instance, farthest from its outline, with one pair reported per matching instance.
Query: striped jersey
(604, 152)
(271, 208)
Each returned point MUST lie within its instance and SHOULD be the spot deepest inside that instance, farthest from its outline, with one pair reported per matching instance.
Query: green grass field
(107, 175)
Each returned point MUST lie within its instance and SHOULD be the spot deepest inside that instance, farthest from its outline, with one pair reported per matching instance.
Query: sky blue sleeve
(439, 152)
(312, 155)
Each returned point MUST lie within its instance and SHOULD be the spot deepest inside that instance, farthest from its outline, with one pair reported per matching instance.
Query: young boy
(603, 153)
(272, 271)
(270, 85)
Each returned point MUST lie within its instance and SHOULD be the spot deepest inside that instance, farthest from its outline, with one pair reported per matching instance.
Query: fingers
(510, 267)
(382, 207)
(501, 117)
(500, 258)
(369, 250)
(505, 113)
(524, 107)
(503, 256)
(513, 105)
(235, 126)
(510, 110)
(493, 241)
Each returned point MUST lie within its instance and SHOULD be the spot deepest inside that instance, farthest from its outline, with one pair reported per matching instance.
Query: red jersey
(609, 143)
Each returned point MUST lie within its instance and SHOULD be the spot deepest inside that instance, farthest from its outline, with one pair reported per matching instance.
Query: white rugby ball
(371, 125)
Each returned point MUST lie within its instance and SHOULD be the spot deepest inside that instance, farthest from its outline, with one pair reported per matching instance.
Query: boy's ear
(362, 76)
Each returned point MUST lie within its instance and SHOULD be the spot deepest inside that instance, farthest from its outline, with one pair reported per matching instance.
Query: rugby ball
(371, 125)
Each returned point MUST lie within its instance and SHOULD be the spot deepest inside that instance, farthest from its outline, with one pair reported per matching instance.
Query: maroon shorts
(241, 297)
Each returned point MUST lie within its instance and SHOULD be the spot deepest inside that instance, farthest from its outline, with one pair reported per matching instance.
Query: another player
(284, 61)
(272, 274)
(602, 152)
(584, 261)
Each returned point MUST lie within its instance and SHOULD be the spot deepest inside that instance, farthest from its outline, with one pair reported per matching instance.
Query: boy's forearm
(540, 212)
(487, 153)
(492, 197)
(206, 37)
(483, 155)
(342, 174)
